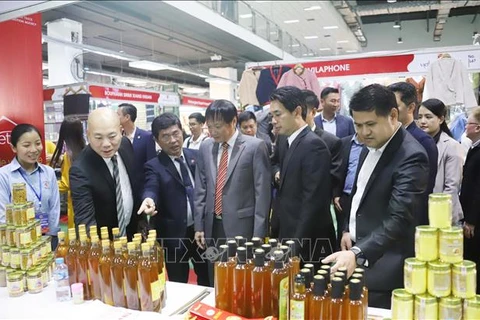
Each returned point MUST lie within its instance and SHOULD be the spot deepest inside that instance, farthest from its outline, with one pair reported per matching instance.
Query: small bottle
(93, 231)
(261, 287)
(280, 287)
(77, 293)
(257, 242)
(71, 257)
(355, 306)
(240, 279)
(232, 251)
(82, 267)
(105, 268)
(336, 304)
(298, 300)
(144, 282)
(116, 273)
(327, 276)
(62, 285)
(62, 248)
(307, 276)
(82, 228)
(131, 278)
(346, 292)
(273, 243)
(240, 241)
(223, 288)
(364, 292)
(294, 260)
(93, 267)
(319, 303)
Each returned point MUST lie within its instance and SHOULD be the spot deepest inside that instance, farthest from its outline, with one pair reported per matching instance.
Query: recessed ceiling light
(342, 41)
(325, 49)
(330, 27)
(400, 40)
(310, 37)
(291, 21)
(391, 1)
(294, 45)
(246, 16)
(312, 8)
(350, 51)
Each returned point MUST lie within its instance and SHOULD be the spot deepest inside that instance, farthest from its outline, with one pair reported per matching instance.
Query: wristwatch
(359, 256)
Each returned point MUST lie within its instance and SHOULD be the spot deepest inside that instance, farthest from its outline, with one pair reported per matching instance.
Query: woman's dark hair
(20, 130)
(71, 134)
(439, 109)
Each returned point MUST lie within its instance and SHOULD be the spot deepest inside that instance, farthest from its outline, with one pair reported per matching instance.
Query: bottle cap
(342, 276)
(310, 267)
(286, 252)
(152, 232)
(130, 246)
(61, 235)
(83, 237)
(325, 275)
(257, 242)
(273, 242)
(117, 245)
(82, 227)
(319, 285)
(360, 278)
(249, 247)
(278, 258)
(105, 243)
(338, 288)
(145, 246)
(59, 260)
(232, 248)
(326, 267)
(241, 255)
(308, 277)
(342, 269)
(240, 241)
(103, 229)
(223, 251)
(355, 289)
(259, 258)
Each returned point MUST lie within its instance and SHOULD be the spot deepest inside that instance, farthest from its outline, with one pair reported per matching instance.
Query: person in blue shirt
(40, 180)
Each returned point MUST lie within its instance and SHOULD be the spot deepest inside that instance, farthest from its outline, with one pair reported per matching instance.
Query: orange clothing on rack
(64, 186)
(419, 86)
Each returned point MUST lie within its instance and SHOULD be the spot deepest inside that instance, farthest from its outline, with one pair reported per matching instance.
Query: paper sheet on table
(103, 311)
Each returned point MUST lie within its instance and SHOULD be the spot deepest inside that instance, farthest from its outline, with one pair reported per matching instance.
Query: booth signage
(196, 102)
(123, 94)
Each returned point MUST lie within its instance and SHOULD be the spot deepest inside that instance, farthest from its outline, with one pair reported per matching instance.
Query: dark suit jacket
(334, 145)
(385, 222)
(302, 208)
(343, 168)
(165, 186)
(93, 190)
(144, 150)
(430, 147)
(344, 125)
(470, 194)
(268, 141)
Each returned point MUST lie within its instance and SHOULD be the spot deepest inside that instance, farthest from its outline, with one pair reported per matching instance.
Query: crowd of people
(349, 190)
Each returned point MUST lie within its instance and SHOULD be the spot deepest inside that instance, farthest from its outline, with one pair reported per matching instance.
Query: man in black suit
(469, 196)
(330, 120)
(406, 96)
(391, 178)
(169, 185)
(247, 121)
(102, 180)
(304, 192)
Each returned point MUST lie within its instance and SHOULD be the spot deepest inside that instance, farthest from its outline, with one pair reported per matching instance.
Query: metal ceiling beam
(352, 19)
(33, 8)
(410, 6)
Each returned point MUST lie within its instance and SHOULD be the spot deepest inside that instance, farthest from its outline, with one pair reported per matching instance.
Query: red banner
(21, 94)
(196, 102)
(123, 94)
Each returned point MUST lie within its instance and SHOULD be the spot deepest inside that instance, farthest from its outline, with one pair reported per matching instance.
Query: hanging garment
(306, 80)
(248, 87)
(268, 81)
(458, 124)
(419, 86)
(447, 80)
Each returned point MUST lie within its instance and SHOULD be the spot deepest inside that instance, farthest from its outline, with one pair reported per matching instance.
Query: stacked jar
(438, 282)
(25, 255)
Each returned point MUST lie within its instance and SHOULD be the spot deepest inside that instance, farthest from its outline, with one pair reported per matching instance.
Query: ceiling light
(246, 16)
(194, 90)
(111, 55)
(325, 49)
(291, 21)
(400, 40)
(98, 73)
(397, 25)
(342, 41)
(350, 51)
(330, 27)
(148, 65)
(312, 8)
(391, 1)
(442, 21)
(310, 37)
(294, 45)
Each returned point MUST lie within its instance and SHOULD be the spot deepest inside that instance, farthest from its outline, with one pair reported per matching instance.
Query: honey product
(257, 243)
(223, 288)
(34, 281)
(71, 257)
(308, 276)
(450, 308)
(294, 260)
(45, 275)
(364, 295)
(144, 276)
(239, 298)
(426, 307)
(280, 287)
(154, 279)
(337, 311)
(415, 276)
(3, 276)
(20, 215)
(62, 248)
(464, 279)
(116, 234)
(82, 228)
(33, 231)
(10, 235)
(15, 258)
(118, 263)
(15, 284)
(38, 229)
(319, 303)
(105, 277)
(439, 282)
(440, 210)
(260, 289)
(471, 308)
(93, 231)
(298, 300)
(26, 260)
(93, 268)
(160, 261)
(355, 306)
(240, 241)
(19, 193)
(30, 211)
(273, 243)
(23, 237)
(402, 305)
(3, 234)
(6, 256)
(131, 278)
(426, 243)
(124, 241)
(232, 251)
(249, 247)
(82, 267)
(9, 214)
(451, 245)
(269, 256)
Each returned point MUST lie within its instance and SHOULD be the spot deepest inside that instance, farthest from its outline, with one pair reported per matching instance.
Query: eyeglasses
(168, 137)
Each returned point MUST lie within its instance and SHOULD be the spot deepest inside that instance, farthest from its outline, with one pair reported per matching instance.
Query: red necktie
(221, 177)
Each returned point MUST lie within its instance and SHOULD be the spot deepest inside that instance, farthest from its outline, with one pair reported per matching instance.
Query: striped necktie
(122, 224)
(221, 177)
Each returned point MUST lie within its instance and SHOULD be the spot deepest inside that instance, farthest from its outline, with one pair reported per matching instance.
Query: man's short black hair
(311, 99)
(291, 98)
(245, 116)
(374, 97)
(407, 91)
(129, 109)
(164, 121)
(197, 116)
(221, 110)
(327, 91)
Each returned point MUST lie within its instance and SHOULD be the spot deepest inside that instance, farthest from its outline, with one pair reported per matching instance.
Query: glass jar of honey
(26, 259)
(33, 231)
(23, 237)
(9, 214)
(30, 211)
(426, 307)
(19, 193)
(6, 256)
(426, 243)
(439, 279)
(415, 276)
(3, 277)
(402, 305)
(471, 308)
(38, 229)
(37, 253)
(34, 281)
(3, 234)
(15, 258)
(464, 279)
(440, 210)
(15, 284)
(10, 235)
(450, 308)
(20, 215)
(45, 275)
(451, 245)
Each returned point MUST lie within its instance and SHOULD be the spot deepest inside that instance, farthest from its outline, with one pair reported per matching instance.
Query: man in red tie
(232, 181)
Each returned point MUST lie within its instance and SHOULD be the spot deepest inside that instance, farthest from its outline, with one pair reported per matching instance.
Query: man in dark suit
(406, 96)
(469, 196)
(304, 185)
(330, 120)
(391, 178)
(102, 180)
(169, 185)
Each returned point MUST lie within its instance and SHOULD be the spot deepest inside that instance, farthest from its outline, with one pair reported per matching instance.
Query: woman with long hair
(71, 142)
(431, 119)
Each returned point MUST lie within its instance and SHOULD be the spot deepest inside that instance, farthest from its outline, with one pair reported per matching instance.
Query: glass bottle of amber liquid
(261, 288)
(307, 276)
(232, 251)
(124, 241)
(105, 267)
(93, 231)
(346, 292)
(93, 267)
(280, 287)
(249, 247)
(223, 288)
(118, 263)
(161, 266)
(337, 311)
(82, 228)
(82, 267)
(294, 261)
(319, 303)
(62, 248)
(71, 257)
(298, 301)
(269, 261)
(239, 299)
(155, 280)
(131, 278)
(326, 274)
(355, 306)
(144, 275)
(115, 237)
(361, 278)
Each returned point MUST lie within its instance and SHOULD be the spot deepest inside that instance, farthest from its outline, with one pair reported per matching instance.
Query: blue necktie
(186, 181)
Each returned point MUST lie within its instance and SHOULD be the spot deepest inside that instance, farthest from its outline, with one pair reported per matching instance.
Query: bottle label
(283, 298)
(161, 278)
(297, 310)
(155, 287)
(30, 213)
(125, 287)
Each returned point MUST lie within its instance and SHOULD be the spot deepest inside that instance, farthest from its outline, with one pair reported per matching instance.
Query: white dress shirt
(364, 175)
(131, 137)
(177, 166)
(127, 194)
(194, 144)
(330, 125)
(294, 135)
(231, 143)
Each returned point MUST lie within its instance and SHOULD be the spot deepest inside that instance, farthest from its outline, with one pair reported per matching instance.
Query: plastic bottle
(62, 285)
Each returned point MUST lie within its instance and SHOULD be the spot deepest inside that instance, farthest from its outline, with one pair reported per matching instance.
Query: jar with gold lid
(3, 277)
(426, 243)
(19, 193)
(37, 253)
(440, 210)
(6, 256)
(9, 214)
(3, 234)
(415, 276)
(15, 258)
(426, 307)
(26, 259)
(10, 235)
(34, 281)
(451, 245)
(15, 284)
(464, 279)
(30, 211)
(43, 248)
(439, 279)
(402, 305)
(450, 308)
(47, 240)
(471, 308)
(23, 237)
